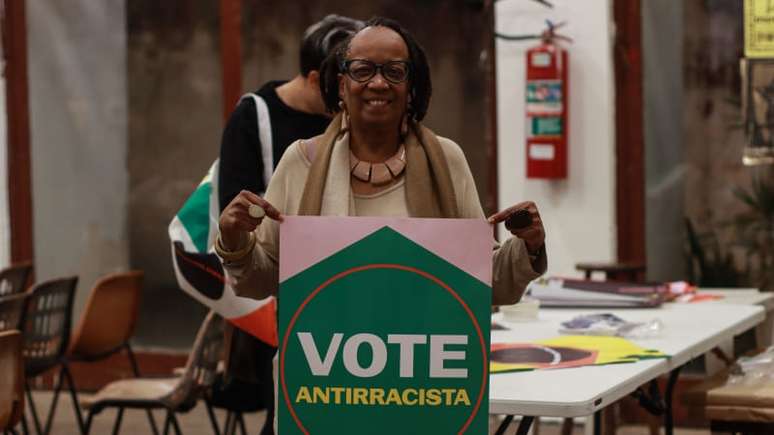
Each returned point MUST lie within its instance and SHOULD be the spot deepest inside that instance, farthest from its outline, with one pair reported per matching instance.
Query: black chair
(12, 295)
(237, 395)
(11, 310)
(45, 327)
(14, 279)
(238, 398)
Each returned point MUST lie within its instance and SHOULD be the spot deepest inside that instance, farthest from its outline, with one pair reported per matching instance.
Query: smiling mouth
(377, 103)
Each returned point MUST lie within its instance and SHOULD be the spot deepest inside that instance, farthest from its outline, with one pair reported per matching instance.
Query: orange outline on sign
(340, 275)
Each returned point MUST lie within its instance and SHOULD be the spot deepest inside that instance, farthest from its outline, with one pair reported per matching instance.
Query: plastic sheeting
(78, 122)
(665, 166)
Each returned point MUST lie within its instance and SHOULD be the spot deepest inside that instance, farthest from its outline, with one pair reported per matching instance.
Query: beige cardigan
(258, 275)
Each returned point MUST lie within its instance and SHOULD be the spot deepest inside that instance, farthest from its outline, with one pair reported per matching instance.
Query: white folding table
(740, 296)
(690, 330)
(749, 296)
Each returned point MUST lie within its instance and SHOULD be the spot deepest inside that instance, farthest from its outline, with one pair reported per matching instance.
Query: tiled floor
(135, 422)
(196, 422)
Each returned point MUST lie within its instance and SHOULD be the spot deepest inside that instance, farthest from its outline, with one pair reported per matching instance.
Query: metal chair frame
(234, 418)
(190, 387)
(14, 279)
(12, 310)
(125, 278)
(46, 322)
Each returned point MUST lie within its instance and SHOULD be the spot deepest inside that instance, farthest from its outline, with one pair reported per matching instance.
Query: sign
(544, 96)
(759, 28)
(544, 126)
(384, 325)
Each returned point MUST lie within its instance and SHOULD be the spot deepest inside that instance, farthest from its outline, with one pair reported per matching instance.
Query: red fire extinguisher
(546, 107)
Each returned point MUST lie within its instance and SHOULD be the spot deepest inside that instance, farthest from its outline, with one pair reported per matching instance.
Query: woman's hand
(236, 223)
(534, 235)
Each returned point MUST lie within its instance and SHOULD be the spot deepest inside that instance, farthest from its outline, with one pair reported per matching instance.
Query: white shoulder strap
(264, 135)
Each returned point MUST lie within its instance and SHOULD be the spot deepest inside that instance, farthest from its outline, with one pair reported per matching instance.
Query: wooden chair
(174, 394)
(108, 319)
(13, 279)
(11, 384)
(107, 325)
(45, 326)
(744, 406)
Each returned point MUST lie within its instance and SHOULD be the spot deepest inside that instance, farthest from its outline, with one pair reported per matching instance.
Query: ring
(256, 211)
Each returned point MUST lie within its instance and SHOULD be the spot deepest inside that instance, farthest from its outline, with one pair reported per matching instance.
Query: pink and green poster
(384, 325)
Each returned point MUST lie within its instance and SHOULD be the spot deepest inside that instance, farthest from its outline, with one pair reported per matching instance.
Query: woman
(375, 159)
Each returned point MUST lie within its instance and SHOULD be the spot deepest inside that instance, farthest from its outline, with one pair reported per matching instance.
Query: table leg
(598, 422)
(526, 422)
(651, 400)
(668, 419)
(567, 426)
(524, 425)
(504, 425)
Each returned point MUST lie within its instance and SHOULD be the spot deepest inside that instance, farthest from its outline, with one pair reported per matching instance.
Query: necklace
(378, 173)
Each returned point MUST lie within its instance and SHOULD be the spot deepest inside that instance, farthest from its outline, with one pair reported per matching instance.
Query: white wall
(78, 123)
(579, 212)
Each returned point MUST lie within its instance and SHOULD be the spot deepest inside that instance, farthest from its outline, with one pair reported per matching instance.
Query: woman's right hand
(235, 222)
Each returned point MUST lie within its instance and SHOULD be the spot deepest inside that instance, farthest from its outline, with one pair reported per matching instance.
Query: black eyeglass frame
(378, 68)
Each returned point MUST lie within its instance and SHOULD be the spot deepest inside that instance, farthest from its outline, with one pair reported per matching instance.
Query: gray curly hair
(322, 37)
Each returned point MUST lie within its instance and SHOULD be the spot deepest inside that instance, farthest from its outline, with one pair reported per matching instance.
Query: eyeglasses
(362, 70)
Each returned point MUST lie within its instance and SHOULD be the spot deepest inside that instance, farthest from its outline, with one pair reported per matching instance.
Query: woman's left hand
(534, 235)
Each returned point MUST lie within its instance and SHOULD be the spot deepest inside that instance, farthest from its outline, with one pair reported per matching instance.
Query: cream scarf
(429, 189)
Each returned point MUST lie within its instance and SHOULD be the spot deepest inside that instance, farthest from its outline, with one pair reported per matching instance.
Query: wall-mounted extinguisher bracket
(546, 107)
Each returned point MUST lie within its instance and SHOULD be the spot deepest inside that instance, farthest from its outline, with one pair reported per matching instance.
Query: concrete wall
(712, 133)
(174, 132)
(579, 212)
(454, 43)
(78, 115)
(665, 166)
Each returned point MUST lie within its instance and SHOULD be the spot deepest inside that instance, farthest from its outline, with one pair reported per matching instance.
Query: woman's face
(376, 102)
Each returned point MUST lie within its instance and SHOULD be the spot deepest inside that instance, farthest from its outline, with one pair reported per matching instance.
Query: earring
(344, 117)
(404, 126)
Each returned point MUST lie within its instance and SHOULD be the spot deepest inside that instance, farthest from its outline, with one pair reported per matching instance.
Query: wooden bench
(745, 406)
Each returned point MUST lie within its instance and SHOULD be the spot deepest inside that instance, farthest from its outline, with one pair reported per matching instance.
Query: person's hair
(420, 87)
(322, 37)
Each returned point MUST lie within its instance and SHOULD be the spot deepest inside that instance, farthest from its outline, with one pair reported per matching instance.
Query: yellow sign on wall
(759, 28)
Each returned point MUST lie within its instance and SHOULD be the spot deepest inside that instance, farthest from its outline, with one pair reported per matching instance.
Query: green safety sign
(546, 126)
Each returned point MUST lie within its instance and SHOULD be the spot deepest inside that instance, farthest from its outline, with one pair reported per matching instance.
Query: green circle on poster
(381, 347)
